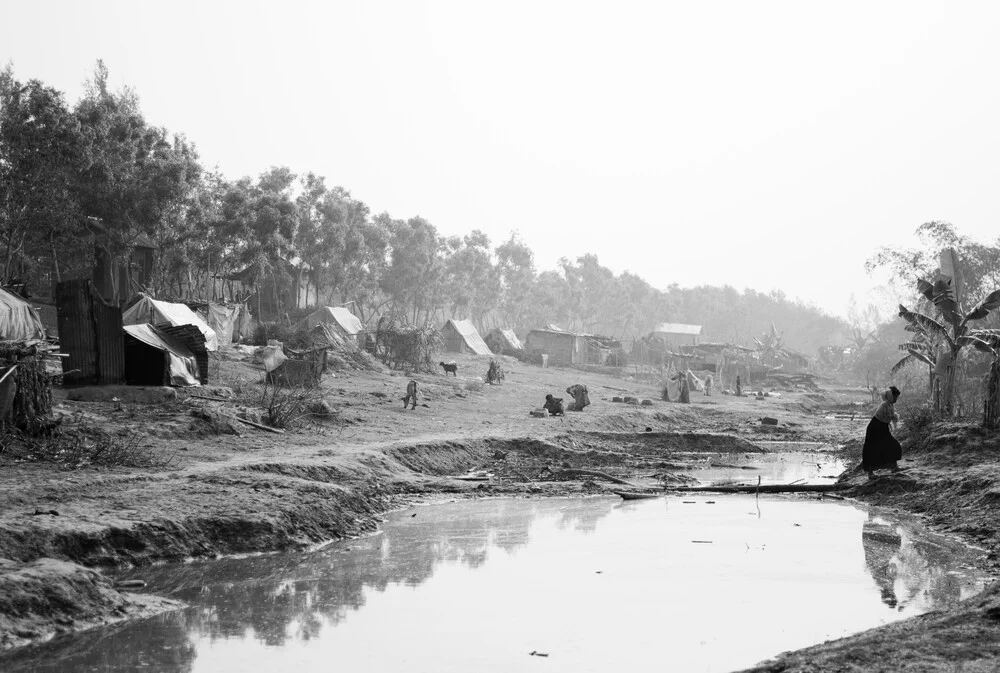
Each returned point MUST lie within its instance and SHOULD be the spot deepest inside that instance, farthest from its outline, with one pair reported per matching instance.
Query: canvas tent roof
(334, 315)
(471, 336)
(508, 336)
(677, 328)
(18, 320)
(183, 367)
(149, 310)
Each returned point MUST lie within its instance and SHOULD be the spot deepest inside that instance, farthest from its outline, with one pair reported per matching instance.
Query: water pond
(689, 583)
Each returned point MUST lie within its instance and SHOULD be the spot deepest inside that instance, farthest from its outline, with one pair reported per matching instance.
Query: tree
(413, 279)
(516, 270)
(41, 150)
(134, 177)
(954, 332)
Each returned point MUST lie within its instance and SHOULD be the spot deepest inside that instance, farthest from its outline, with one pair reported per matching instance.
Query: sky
(764, 145)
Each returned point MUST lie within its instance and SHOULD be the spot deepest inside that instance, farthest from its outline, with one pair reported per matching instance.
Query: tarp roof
(334, 315)
(183, 367)
(677, 328)
(509, 336)
(470, 334)
(149, 310)
(18, 321)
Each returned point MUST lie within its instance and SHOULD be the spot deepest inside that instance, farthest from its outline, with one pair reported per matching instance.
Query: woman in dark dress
(881, 449)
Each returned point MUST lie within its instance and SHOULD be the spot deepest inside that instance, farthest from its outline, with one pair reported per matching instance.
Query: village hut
(461, 336)
(340, 319)
(561, 347)
(155, 358)
(18, 320)
(155, 312)
(677, 334)
(503, 341)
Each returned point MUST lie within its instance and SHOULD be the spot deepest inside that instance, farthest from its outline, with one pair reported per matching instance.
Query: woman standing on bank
(881, 449)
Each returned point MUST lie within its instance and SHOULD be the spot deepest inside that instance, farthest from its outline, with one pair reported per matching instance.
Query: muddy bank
(45, 598)
(116, 521)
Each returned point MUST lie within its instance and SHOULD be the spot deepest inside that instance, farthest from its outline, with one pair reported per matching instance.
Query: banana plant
(988, 340)
(922, 348)
(952, 331)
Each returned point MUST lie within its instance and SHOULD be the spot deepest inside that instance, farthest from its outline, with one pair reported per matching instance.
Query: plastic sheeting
(273, 355)
(222, 320)
(333, 315)
(18, 321)
(183, 367)
(149, 310)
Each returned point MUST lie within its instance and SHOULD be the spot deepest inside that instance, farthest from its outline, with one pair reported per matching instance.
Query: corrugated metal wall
(75, 318)
(90, 332)
(110, 339)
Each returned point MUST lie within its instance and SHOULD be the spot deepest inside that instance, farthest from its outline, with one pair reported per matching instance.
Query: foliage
(494, 373)
(953, 331)
(284, 407)
(79, 449)
(109, 179)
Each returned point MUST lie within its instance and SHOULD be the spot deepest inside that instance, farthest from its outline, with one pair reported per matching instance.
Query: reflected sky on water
(690, 583)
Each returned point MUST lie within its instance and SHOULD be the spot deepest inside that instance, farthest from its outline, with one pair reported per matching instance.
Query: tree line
(96, 173)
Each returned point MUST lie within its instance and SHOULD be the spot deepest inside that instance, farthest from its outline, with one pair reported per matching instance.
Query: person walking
(881, 449)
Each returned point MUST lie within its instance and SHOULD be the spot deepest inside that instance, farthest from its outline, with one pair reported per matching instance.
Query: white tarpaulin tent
(18, 321)
(340, 316)
(183, 366)
(148, 310)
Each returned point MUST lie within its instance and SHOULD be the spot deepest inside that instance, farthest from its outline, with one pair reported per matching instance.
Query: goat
(450, 367)
(411, 394)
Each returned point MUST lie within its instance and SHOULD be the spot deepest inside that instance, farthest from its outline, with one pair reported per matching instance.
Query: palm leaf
(990, 336)
(899, 365)
(978, 344)
(926, 323)
(983, 308)
(941, 295)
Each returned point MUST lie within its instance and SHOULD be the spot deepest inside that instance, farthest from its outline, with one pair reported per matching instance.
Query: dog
(411, 394)
(450, 367)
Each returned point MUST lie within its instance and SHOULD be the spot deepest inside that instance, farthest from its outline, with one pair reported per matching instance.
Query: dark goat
(450, 367)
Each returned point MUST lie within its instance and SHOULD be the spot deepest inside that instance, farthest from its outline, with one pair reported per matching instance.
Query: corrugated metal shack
(563, 348)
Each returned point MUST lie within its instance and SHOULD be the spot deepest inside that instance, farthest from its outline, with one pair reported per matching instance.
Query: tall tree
(41, 151)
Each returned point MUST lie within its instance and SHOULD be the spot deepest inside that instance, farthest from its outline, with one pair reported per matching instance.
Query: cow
(450, 367)
(411, 394)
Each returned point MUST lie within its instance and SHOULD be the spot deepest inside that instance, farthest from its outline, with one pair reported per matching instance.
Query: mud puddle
(785, 467)
(676, 583)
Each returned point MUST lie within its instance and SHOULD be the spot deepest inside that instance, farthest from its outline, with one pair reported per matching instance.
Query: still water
(690, 583)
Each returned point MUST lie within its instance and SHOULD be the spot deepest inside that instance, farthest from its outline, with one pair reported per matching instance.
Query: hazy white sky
(770, 145)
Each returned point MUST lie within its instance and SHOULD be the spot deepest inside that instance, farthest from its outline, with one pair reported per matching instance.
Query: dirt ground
(228, 487)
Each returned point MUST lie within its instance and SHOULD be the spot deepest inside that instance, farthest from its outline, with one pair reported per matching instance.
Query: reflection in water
(882, 544)
(476, 585)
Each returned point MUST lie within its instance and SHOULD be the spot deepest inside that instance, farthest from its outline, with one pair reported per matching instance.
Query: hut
(676, 334)
(503, 341)
(561, 347)
(154, 312)
(18, 320)
(155, 358)
(338, 317)
(461, 336)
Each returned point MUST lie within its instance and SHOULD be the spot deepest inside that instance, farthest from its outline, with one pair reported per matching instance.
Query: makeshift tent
(503, 340)
(461, 335)
(154, 312)
(153, 357)
(336, 316)
(18, 321)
